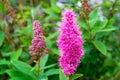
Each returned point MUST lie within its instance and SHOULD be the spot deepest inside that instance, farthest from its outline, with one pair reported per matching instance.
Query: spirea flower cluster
(38, 47)
(86, 7)
(70, 43)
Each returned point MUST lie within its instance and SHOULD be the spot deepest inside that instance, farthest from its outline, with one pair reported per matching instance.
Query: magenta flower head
(38, 47)
(70, 43)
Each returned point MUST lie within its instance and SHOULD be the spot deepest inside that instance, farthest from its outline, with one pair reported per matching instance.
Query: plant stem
(38, 67)
(8, 36)
(68, 77)
(31, 3)
(89, 30)
(111, 11)
(21, 10)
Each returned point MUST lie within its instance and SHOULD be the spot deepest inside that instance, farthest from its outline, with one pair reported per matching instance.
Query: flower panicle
(70, 43)
(38, 46)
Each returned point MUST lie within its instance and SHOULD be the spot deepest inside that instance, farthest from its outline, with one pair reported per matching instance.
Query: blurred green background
(100, 31)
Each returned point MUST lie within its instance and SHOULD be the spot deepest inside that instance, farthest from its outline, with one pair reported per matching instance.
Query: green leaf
(82, 24)
(75, 76)
(86, 36)
(43, 61)
(25, 71)
(1, 24)
(49, 39)
(111, 21)
(43, 77)
(61, 76)
(50, 12)
(96, 30)
(22, 64)
(49, 66)
(107, 4)
(35, 10)
(25, 56)
(12, 73)
(53, 35)
(25, 40)
(22, 69)
(29, 28)
(2, 37)
(17, 78)
(93, 17)
(53, 4)
(17, 75)
(16, 54)
(52, 72)
(4, 62)
(100, 46)
(108, 29)
(101, 28)
(103, 23)
(2, 6)
(3, 70)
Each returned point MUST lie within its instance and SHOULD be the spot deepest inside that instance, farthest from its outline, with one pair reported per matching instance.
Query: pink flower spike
(70, 43)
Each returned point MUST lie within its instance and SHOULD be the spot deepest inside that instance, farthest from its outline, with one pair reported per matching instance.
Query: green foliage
(52, 72)
(100, 46)
(75, 76)
(2, 6)
(21, 69)
(101, 60)
(2, 37)
(16, 55)
(93, 17)
(61, 76)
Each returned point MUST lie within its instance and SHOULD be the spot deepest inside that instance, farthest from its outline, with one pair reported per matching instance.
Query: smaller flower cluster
(86, 7)
(38, 47)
